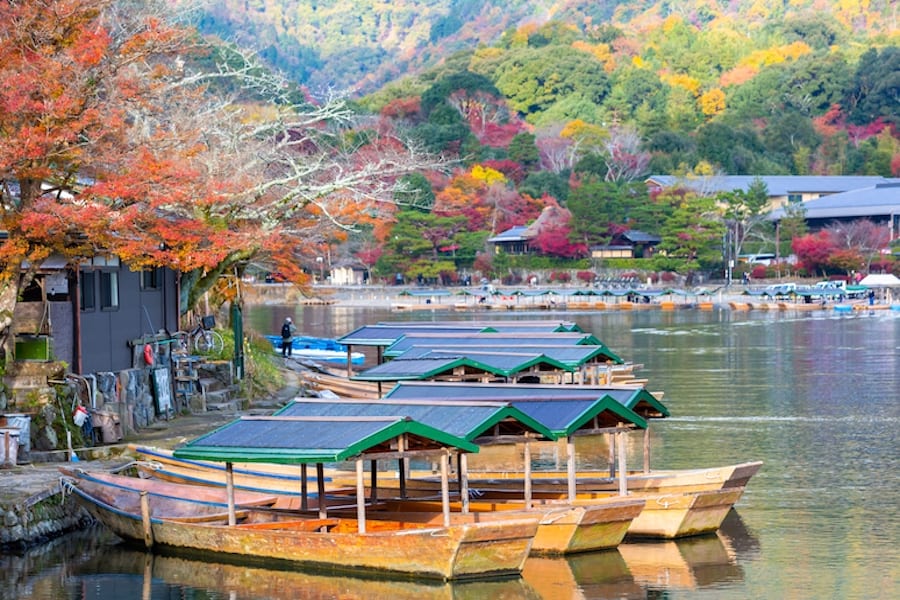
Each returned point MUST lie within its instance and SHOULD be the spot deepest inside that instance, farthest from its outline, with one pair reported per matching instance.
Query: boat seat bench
(296, 525)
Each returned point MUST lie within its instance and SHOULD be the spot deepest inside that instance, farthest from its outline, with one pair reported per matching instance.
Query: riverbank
(33, 508)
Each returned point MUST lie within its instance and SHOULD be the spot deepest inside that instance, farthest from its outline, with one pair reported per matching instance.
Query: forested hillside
(556, 112)
(359, 46)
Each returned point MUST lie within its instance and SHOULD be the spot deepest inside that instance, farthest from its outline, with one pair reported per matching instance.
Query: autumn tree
(861, 237)
(814, 251)
(111, 141)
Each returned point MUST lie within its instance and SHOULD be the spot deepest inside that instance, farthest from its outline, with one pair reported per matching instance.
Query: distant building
(630, 244)
(783, 189)
(515, 240)
(879, 203)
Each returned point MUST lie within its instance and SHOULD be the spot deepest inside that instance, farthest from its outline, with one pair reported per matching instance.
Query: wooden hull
(665, 515)
(260, 483)
(215, 496)
(457, 552)
(561, 529)
(684, 480)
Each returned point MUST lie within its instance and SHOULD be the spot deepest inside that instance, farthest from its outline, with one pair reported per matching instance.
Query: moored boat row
(491, 520)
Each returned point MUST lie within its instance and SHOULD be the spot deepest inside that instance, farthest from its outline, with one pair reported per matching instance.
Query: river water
(813, 394)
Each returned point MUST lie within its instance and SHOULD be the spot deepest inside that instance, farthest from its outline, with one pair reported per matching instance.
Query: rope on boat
(663, 502)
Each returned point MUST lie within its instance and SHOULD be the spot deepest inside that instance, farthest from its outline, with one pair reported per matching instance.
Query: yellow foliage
(584, 132)
(772, 56)
(638, 62)
(712, 102)
(488, 175)
(703, 169)
(681, 80)
(599, 51)
(671, 22)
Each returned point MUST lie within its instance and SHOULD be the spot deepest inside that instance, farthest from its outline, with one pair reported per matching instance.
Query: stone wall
(41, 519)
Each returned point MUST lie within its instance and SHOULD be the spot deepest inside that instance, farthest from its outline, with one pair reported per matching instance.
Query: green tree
(693, 233)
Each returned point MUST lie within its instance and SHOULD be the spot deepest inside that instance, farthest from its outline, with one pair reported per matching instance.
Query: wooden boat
(675, 480)
(467, 550)
(212, 496)
(342, 386)
(664, 516)
(562, 530)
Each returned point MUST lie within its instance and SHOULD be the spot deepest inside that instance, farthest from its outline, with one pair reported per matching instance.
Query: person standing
(287, 337)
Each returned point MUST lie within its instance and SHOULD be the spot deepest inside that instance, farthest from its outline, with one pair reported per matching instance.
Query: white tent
(880, 280)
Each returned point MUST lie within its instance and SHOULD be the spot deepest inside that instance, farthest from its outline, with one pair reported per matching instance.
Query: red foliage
(403, 108)
(814, 250)
(585, 276)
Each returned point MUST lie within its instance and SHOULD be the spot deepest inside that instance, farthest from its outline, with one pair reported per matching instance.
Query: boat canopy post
(373, 467)
(445, 487)
(360, 496)
(401, 472)
(570, 467)
(623, 473)
(304, 491)
(527, 473)
(463, 475)
(229, 491)
(647, 448)
(320, 488)
(611, 446)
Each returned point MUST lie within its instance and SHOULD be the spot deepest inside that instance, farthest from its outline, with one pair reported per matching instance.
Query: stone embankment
(33, 505)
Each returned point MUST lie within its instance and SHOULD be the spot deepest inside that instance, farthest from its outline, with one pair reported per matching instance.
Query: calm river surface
(814, 395)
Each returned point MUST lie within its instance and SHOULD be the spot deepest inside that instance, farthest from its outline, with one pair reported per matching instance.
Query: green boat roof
(297, 440)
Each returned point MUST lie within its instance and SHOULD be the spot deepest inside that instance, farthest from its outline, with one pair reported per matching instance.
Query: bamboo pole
(570, 467)
(445, 489)
(360, 496)
(320, 488)
(623, 472)
(463, 476)
(647, 449)
(527, 473)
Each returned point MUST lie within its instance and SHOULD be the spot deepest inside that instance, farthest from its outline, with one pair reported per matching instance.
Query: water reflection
(93, 565)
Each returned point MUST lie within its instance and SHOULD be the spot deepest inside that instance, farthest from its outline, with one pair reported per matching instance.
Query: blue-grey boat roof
(296, 440)
(637, 399)
(567, 416)
(467, 420)
(573, 356)
(438, 340)
(428, 367)
(385, 335)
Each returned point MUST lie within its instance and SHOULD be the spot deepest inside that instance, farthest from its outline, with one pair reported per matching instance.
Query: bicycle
(202, 338)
